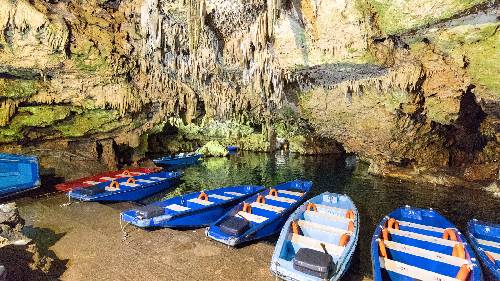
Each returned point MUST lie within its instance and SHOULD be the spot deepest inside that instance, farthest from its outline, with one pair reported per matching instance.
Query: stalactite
(196, 21)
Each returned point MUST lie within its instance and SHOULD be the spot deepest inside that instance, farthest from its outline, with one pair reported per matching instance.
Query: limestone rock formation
(411, 87)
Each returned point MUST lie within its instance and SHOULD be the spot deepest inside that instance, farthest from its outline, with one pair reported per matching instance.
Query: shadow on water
(27, 262)
(374, 197)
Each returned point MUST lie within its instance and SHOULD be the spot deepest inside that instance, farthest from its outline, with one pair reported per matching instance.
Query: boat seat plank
(108, 179)
(129, 184)
(322, 227)
(419, 252)
(91, 182)
(177, 208)
(311, 243)
(423, 237)
(326, 207)
(488, 243)
(158, 178)
(234, 193)
(281, 199)
(421, 226)
(327, 216)
(267, 207)
(412, 271)
(288, 192)
(221, 197)
(144, 181)
(252, 217)
(494, 255)
(200, 202)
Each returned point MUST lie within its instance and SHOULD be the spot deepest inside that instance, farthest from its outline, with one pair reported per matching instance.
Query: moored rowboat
(178, 160)
(104, 177)
(192, 210)
(127, 189)
(318, 240)
(18, 173)
(412, 243)
(485, 239)
(261, 215)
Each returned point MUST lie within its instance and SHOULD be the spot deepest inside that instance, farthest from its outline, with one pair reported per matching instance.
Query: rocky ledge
(20, 257)
(412, 88)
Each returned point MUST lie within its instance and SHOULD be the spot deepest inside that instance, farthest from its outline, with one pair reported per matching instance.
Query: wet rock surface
(21, 257)
(418, 95)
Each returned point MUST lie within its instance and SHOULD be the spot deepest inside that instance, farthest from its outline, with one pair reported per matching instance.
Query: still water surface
(374, 197)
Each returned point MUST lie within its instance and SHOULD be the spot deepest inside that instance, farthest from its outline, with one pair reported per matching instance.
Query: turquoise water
(374, 197)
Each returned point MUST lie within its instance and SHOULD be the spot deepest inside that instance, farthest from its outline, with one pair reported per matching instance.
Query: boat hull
(283, 267)
(490, 232)
(132, 194)
(18, 173)
(257, 232)
(178, 161)
(426, 222)
(193, 218)
(86, 182)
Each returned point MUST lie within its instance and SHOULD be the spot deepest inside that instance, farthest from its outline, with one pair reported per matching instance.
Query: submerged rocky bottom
(88, 238)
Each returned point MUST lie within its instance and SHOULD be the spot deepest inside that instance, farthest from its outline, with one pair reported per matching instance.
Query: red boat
(104, 177)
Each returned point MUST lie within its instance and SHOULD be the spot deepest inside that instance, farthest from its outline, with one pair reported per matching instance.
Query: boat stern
(216, 234)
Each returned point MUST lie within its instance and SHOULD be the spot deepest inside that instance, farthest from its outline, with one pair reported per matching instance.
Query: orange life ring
(458, 251)
(311, 206)
(114, 184)
(203, 196)
(130, 180)
(382, 250)
(344, 239)
(351, 226)
(393, 223)
(247, 208)
(385, 234)
(450, 234)
(350, 214)
(261, 199)
(273, 192)
(295, 227)
(463, 273)
(490, 256)
(126, 173)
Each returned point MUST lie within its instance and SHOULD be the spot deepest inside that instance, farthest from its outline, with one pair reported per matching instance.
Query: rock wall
(412, 88)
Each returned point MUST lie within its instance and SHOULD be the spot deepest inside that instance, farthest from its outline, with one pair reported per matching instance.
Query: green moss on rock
(33, 116)
(400, 16)
(18, 88)
(214, 149)
(94, 121)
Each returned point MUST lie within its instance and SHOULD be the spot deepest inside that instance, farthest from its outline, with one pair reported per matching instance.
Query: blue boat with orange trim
(192, 210)
(131, 188)
(18, 173)
(485, 239)
(412, 243)
(261, 215)
(318, 240)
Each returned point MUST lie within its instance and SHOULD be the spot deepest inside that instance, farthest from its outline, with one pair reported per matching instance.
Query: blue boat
(318, 240)
(192, 210)
(18, 173)
(261, 215)
(180, 159)
(485, 239)
(231, 148)
(412, 243)
(126, 189)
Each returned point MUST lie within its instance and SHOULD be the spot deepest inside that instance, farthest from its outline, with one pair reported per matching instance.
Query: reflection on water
(373, 196)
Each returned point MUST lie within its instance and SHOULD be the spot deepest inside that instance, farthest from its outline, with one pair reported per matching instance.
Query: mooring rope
(122, 228)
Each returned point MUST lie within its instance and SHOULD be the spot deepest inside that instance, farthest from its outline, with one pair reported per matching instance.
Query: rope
(69, 200)
(122, 228)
